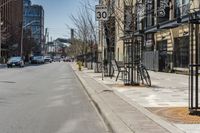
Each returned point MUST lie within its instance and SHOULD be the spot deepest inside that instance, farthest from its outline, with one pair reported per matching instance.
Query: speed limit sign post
(101, 13)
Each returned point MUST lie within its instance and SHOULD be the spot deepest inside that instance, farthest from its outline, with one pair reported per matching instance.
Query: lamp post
(22, 35)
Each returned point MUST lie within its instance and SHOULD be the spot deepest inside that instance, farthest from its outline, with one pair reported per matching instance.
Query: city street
(45, 99)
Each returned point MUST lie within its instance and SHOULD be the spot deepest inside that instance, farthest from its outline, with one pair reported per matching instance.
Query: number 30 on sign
(101, 13)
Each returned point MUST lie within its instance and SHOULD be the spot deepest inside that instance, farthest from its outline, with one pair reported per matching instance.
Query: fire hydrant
(79, 65)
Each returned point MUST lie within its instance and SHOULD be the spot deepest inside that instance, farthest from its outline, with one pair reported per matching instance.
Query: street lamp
(5, 3)
(22, 35)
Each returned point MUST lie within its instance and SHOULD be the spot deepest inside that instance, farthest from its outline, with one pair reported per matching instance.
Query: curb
(112, 121)
(166, 125)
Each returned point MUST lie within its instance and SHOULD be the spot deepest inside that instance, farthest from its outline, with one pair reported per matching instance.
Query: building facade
(167, 35)
(156, 31)
(34, 21)
(11, 20)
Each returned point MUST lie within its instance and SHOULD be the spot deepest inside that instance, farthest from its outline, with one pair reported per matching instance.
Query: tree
(85, 27)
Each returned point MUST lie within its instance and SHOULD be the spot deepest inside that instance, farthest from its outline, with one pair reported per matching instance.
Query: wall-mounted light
(185, 33)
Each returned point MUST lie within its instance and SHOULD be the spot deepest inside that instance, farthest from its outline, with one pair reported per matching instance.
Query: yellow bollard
(79, 65)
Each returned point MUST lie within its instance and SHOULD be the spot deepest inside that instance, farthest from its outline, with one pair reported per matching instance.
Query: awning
(162, 26)
(3, 49)
(151, 30)
(170, 25)
(126, 37)
(185, 19)
(139, 33)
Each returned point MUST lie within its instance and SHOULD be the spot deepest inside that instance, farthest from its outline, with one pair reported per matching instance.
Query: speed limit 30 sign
(101, 13)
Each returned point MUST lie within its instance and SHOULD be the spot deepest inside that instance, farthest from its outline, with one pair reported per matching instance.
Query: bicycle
(143, 73)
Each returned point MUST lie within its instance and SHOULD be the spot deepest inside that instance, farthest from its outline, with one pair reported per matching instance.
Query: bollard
(79, 65)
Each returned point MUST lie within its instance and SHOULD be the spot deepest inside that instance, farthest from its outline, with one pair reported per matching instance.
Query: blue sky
(57, 15)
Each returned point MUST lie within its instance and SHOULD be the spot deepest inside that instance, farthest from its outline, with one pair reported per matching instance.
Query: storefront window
(181, 52)
(150, 13)
(163, 10)
(181, 8)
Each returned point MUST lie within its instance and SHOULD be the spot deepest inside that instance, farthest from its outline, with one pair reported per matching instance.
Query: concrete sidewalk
(120, 112)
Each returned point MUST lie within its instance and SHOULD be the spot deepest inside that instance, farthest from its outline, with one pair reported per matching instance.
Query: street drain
(107, 91)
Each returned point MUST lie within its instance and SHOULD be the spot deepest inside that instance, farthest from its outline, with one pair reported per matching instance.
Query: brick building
(11, 25)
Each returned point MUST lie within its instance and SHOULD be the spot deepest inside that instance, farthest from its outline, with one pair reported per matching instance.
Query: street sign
(101, 13)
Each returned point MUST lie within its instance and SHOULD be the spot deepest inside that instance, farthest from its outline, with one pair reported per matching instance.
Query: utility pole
(22, 37)
(0, 33)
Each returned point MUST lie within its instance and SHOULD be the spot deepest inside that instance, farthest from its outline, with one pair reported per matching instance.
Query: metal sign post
(101, 13)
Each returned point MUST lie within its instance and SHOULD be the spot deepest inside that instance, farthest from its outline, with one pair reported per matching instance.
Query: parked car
(67, 59)
(56, 59)
(48, 59)
(37, 60)
(15, 61)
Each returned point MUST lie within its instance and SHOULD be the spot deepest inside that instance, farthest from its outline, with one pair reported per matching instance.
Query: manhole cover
(176, 115)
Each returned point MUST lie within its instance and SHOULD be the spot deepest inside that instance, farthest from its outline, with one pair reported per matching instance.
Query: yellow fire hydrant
(79, 65)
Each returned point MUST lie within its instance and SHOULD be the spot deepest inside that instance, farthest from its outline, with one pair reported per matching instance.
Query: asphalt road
(45, 99)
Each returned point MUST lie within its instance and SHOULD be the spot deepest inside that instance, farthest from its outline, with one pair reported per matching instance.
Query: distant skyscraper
(27, 2)
(34, 20)
(72, 34)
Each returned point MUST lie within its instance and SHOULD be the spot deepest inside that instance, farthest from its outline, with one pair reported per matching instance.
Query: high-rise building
(11, 19)
(34, 20)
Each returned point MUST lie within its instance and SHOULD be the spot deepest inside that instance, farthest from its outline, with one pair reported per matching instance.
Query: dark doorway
(162, 49)
(181, 52)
